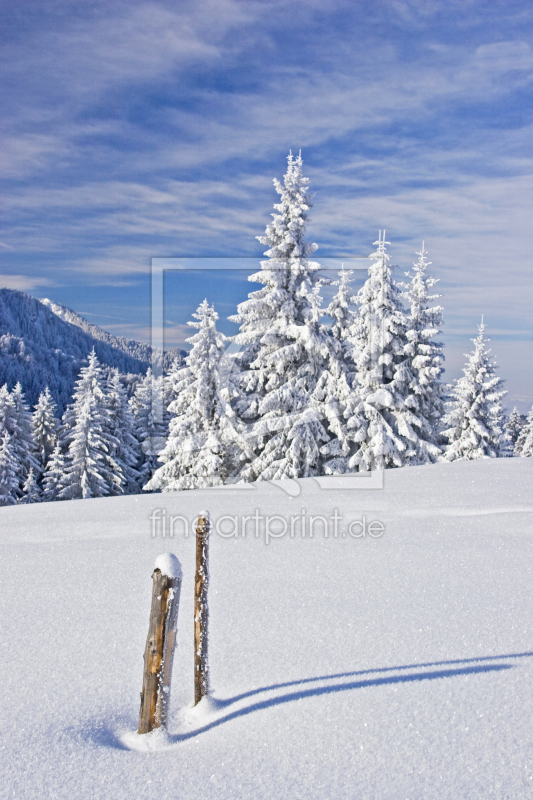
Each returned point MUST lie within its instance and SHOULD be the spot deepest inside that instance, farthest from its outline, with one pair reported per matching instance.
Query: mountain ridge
(43, 343)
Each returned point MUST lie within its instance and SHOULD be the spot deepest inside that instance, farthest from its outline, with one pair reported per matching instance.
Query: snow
(169, 565)
(393, 667)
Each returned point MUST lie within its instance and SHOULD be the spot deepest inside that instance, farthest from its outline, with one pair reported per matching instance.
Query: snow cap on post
(169, 565)
(203, 528)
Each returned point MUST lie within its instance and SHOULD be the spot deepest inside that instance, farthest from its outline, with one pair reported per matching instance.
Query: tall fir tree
(383, 424)
(424, 389)
(334, 395)
(284, 346)
(475, 425)
(88, 472)
(123, 449)
(149, 430)
(45, 428)
(15, 419)
(524, 443)
(9, 482)
(204, 445)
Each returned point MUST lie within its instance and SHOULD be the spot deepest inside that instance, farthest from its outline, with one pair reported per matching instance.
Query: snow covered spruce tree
(204, 445)
(515, 423)
(53, 476)
(9, 483)
(32, 493)
(285, 348)
(475, 424)
(524, 443)
(343, 307)
(45, 428)
(89, 470)
(15, 419)
(423, 366)
(149, 432)
(123, 449)
(334, 395)
(385, 429)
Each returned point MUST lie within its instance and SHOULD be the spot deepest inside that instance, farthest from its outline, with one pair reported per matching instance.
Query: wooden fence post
(201, 610)
(160, 643)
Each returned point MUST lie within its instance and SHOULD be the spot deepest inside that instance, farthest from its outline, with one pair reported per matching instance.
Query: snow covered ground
(394, 667)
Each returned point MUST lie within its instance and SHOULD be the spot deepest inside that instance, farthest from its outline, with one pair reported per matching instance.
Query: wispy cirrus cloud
(23, 283)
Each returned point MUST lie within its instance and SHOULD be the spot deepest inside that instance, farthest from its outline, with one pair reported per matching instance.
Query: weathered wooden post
(160, 643)
(201, 611)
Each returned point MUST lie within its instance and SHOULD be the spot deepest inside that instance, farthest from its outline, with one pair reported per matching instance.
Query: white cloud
(24, 283)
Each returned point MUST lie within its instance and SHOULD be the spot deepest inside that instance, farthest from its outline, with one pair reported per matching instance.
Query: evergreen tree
(7, 411)
(123, 451)
(9, 482)
(15, 419)
(334, 395)
(23, 440)
(32, 493)
(148, 430)
(524, 443)
(343, 307)
(54, 474)
(284, 347)
(475, 425)
(88, 472)
(170, 381)
(204, 445)
(383, 424)
(45, 427)
(423, 367)
(514, 426)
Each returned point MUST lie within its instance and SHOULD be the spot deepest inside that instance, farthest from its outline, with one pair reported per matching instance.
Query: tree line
(314, 389)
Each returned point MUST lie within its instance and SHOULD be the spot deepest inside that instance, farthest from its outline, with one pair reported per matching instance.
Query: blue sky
(133, 130)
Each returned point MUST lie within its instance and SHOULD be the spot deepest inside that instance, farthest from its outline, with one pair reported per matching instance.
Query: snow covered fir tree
(425, 390)
(9, 482)
(149, 425)
(285, 347)
(378, 339)
(86, 437)
(514, 426)
(317, 388)
(204, 444)
(45, 427)
(524, 442)
(475, 424)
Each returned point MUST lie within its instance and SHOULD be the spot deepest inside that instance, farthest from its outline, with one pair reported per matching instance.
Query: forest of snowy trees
(43, 344)
(315, 389)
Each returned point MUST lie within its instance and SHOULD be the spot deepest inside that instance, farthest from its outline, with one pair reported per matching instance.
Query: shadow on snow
(473, 667)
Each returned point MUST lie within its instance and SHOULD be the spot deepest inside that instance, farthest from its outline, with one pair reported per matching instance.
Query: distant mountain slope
(43, 344)
(138, 350)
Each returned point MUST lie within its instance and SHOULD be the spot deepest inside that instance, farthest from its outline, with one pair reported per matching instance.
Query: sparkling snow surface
(395, 667)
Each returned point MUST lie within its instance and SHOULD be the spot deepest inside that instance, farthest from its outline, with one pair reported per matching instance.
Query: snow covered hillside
(39, 349)
(342, 667)
(44, 344)
(138, 350)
